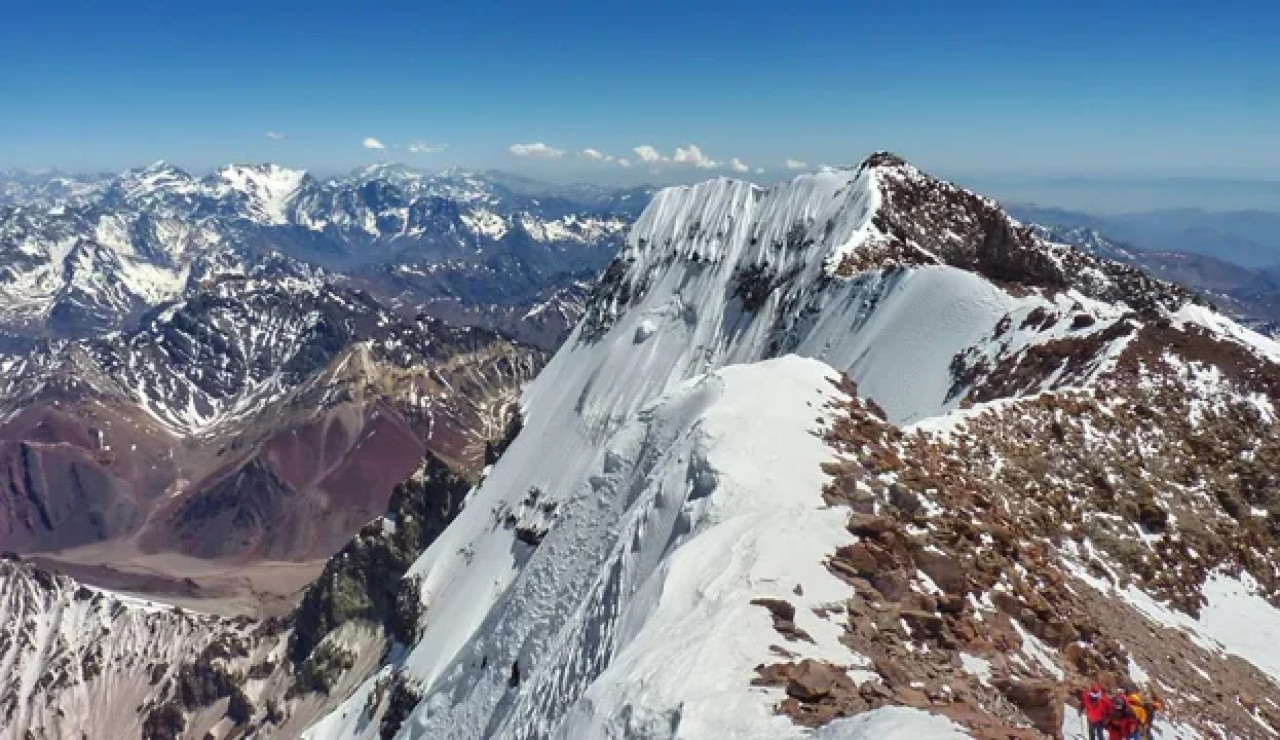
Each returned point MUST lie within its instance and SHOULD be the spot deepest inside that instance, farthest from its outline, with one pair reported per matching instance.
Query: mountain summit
(854, 441)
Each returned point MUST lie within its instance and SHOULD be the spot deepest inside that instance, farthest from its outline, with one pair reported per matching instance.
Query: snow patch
(892, 723)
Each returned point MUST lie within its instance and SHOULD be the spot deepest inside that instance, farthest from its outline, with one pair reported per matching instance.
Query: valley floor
(259, 589)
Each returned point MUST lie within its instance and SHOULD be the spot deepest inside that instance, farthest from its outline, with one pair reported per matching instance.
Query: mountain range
(853, 455)
(266, 417)
(79, 256)
(1249, 295)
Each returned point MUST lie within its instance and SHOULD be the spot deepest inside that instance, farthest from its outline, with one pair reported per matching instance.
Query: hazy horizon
(1102, 195)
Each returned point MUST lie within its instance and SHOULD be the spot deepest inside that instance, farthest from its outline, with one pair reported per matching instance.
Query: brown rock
(1042, 702)
(1006, 602)
(892, 672)
(945, 570)
(780, 608)
(872, 690)
(893, 585)
(905, 500)
(784, 619)
(774, 674)
(866, 558)
(964, 630)
(812, 680)
(926, 602)
(910, 697)
(869, 525)
(951, 604)
(923, 625)
(1057, 633)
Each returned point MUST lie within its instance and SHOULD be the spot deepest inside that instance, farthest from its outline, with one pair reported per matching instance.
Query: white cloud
(597, 155)
(648, 154)
(737, 165)
(275, 136)
(624, 162)
(422, 147)
(759, 170)
(694, 156)
(536, 149)
(795, 164)
(372, 143)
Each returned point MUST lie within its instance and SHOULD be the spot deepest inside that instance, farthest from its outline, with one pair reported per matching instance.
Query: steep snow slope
(621, 627)
(724, 272)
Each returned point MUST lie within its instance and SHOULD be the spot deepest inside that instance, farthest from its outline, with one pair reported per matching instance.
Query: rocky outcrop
(924, 220)
(365, 579)
(976, 568)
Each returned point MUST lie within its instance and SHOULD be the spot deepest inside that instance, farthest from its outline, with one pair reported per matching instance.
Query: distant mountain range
(1252, 295)
(82, 255)
(1249, 238)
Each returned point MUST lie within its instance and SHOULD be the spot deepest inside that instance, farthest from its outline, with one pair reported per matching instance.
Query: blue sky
(984, 89)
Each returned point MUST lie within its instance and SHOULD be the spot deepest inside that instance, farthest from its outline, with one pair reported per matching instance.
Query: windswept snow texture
(698, 254)
(620, 626)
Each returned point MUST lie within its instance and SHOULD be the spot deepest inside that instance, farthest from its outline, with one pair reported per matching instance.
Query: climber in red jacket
(1096, 707)
(1121, 721)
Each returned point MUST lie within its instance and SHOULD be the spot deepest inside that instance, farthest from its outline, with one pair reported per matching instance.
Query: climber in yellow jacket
(1139, 709)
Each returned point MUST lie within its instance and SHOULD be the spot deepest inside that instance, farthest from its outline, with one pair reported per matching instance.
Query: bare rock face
(1041, 701)
(365, 580)
(812, 680)
(784, 615)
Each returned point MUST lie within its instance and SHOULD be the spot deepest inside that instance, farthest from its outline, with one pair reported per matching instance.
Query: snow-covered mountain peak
(266, 189)
(156, 185)
(796, 237)
(159, 171)
(667, 550)
(777, 225)
(387, 169)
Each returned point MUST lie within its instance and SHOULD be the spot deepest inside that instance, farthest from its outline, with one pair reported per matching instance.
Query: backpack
(1138, 709)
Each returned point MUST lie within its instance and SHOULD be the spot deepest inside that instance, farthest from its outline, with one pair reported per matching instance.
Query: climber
(1121, 724)
(1154, 707)
(1141, 720)
(1094, 705)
